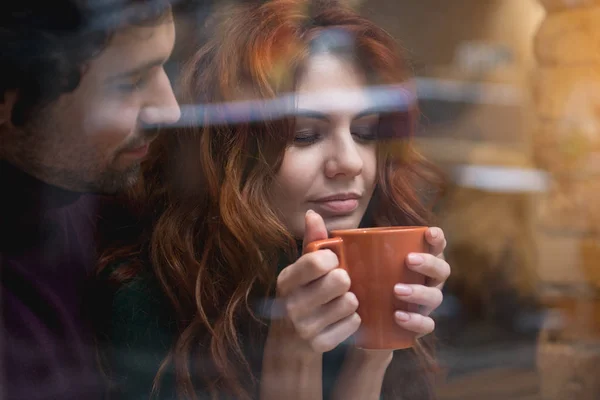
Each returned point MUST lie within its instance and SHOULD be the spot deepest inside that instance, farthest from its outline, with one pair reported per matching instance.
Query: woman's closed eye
(364, 133)
(306, 136)
(310, 136)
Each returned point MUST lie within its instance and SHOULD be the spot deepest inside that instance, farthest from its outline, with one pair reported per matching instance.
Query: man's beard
(113, 181)
(40, 149)
(72, 169)
(109, 181)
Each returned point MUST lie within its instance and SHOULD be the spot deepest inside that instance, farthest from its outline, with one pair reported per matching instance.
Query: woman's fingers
(434, 268)
(308, 268)
(335, 334)
(436, 239)
(309, 299)
(327, 315)
(415, 322)
(429, 298)
(314, 228)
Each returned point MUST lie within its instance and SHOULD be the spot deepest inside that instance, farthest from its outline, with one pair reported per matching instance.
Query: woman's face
(331, 165)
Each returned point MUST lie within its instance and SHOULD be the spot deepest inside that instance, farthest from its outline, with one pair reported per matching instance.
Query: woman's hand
(314, 295)
(313, 313)
(428, 296)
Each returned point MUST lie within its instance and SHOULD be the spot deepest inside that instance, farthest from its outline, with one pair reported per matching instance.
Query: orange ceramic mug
(375, 261)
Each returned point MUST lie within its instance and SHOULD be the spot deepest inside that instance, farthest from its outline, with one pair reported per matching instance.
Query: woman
(225, 209)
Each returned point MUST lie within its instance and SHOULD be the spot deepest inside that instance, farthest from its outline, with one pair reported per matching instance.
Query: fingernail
(402, 316)
(434, 233)
(402, 290)
(309, 212)
(415, 259)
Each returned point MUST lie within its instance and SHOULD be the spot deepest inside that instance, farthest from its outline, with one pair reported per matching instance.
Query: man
(79, 79)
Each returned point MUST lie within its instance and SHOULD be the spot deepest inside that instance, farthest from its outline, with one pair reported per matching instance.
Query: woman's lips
(341, 203)
(338, 206)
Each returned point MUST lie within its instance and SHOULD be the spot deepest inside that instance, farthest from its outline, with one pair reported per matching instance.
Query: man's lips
(137, 152)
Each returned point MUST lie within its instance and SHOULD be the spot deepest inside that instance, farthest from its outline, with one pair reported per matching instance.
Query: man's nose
(163, 108)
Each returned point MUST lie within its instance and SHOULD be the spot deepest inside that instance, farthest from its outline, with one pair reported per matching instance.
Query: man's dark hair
(44, 44)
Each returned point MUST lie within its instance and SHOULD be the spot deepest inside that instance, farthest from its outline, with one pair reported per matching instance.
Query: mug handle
(334, 244)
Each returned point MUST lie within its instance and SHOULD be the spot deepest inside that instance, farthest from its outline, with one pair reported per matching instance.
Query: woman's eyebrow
(305, 113)
(367, 112)
(313, 114)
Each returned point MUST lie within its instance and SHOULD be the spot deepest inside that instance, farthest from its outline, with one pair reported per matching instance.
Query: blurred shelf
(493, 384)
(461, 151)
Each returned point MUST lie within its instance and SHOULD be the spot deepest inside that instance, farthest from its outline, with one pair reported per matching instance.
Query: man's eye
(137, 84)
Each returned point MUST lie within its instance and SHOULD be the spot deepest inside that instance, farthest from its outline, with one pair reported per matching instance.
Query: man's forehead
(138, 45)
(150, 34)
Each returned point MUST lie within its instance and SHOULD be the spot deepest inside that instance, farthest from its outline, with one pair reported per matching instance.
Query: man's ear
(7, 103)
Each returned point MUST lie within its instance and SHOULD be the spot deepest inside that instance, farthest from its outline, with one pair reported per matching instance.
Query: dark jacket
(47, 251)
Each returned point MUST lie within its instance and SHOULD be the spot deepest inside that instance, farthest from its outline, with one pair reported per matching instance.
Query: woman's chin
(339, 223)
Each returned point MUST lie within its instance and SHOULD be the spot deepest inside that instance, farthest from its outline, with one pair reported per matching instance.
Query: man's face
(91, 140)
